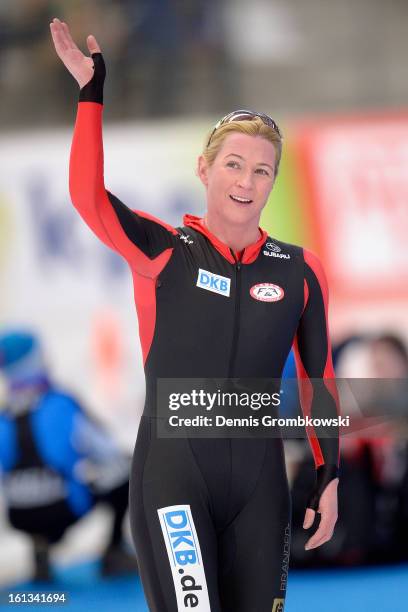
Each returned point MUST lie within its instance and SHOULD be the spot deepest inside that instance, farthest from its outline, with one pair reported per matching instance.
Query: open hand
(79, 65)
(328, 516)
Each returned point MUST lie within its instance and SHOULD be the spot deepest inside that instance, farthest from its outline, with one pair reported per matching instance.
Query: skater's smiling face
(238, 167)
(240, 179)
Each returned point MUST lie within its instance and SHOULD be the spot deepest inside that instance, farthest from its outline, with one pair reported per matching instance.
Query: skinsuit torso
(210, 517)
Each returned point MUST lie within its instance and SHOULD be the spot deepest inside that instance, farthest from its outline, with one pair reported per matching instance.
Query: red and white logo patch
(267, 292)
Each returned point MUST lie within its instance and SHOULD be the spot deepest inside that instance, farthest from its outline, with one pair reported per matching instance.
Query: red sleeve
(139, 238)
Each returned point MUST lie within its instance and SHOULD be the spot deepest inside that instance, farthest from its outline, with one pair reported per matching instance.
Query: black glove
(324, 474)
(93, 90)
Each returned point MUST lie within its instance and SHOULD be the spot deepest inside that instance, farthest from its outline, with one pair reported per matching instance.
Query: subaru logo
(273, 247)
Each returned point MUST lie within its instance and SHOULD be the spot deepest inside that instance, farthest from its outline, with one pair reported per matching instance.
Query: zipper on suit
(235, 332)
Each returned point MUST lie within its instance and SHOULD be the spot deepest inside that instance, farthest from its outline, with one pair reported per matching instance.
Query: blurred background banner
(356, 185)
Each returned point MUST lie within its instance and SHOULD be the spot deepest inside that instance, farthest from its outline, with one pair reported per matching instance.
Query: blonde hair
(251, 127)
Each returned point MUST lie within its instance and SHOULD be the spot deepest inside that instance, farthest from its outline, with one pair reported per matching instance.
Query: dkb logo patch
(213, 282)
(183, 550)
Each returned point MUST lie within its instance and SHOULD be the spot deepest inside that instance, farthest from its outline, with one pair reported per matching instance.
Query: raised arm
(137, 236)
(318, 396)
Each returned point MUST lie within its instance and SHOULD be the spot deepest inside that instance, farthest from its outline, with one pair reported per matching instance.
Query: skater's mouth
(240, 200)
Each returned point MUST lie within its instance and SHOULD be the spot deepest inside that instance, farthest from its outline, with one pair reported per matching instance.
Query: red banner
(356, 179)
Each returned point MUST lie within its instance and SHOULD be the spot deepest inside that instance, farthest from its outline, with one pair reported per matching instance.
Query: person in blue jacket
(56, 462)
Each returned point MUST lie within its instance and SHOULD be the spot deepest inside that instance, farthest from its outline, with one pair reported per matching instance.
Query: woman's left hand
(328, 516)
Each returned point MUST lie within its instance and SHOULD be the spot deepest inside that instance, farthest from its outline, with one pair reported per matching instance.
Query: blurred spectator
(55, 461)
(174, 60)
(373, 489)
(169, 57)
(26, 68)
(164, 58)
(388, 358)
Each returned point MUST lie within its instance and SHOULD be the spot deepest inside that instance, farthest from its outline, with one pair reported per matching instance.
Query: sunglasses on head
(244, 115)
